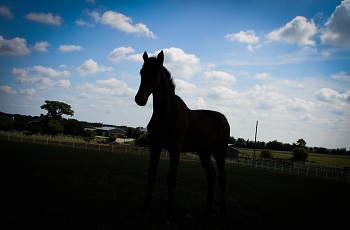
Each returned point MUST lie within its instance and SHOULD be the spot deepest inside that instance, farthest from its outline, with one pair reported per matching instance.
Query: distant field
(52, 187)
(329, 160)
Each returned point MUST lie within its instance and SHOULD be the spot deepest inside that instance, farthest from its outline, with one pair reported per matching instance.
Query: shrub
(143, 140)
(266, 153)
(300, 154)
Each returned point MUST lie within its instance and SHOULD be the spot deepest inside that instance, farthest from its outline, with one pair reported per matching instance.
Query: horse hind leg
(210, 175)
(220, 158)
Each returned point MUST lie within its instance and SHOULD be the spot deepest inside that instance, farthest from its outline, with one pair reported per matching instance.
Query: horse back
(206, 130)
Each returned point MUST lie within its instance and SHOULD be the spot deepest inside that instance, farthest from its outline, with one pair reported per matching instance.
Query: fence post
(112, 147)
(86, 145)
(126, 149)
(99, 147)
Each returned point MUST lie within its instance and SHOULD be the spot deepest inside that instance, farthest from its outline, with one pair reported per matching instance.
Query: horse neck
(164, 99)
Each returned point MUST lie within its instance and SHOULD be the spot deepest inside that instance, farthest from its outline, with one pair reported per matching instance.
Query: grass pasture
(51, 187)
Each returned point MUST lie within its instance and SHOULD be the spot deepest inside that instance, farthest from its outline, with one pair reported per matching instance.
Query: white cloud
(47, 83)
(248, 37)
(106, 88)
(41, 77)
(28, 92)
(330, 95)
(341, 76)
(15, 46)
(214, 75)
(337, 28)
(184, 87)
(41, 46)
(45, 18)
(39, 71)
(298, 31)
(69, 48)
(81, 22)
(47, 72)
(5, 12)
(119, 53)
(198, 103)
(19, 72)
(7, 89)
(263, 76)
(222, 92)
(91, 67)
(180, 64)
(124, 23)
(298, 104)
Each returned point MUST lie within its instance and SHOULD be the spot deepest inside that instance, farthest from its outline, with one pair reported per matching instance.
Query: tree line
(280, 146)
(53, 123)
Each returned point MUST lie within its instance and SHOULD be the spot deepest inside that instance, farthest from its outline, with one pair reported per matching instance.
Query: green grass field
(322, 159)
(52, 187)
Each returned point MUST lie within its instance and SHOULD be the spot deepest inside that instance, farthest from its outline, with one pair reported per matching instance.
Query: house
(231, 151)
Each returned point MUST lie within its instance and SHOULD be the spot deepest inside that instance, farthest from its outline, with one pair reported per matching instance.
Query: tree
(54, 127)
(301, 142)
(73, 127)
(56, 109)
(6, 123)
(300, 154)
(143, 140)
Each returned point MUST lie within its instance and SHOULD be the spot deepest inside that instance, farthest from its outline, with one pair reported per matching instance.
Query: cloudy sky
(284, 63)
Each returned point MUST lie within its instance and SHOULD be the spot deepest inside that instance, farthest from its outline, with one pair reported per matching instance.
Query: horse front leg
(152, 173)
(171, 180)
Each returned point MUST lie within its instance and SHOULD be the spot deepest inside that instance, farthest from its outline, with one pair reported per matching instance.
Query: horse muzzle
(141, 99)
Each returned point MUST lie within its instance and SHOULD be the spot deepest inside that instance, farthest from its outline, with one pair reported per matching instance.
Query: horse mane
(169, 78)
(172, 84)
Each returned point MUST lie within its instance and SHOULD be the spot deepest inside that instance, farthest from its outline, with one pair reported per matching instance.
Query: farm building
(109, 131)
(231, 151)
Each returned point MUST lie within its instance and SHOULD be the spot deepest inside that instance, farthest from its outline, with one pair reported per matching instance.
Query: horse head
(150, 72)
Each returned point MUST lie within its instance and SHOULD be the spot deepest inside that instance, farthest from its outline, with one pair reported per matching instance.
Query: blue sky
(284, 63)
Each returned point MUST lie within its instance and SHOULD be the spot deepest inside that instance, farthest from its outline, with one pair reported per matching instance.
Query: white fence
(306, 169)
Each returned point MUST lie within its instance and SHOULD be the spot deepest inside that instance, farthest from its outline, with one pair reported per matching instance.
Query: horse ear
(145, 56)
(160, 57)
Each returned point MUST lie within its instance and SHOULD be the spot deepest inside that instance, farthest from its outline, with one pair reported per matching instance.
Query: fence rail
(305, 169)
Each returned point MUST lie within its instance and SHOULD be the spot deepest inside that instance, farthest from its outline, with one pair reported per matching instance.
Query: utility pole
(256, 132)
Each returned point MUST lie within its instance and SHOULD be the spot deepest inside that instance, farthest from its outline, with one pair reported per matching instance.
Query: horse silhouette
(173, 126)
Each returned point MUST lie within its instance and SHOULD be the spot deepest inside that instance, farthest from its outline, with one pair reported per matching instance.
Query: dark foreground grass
(50, 187)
